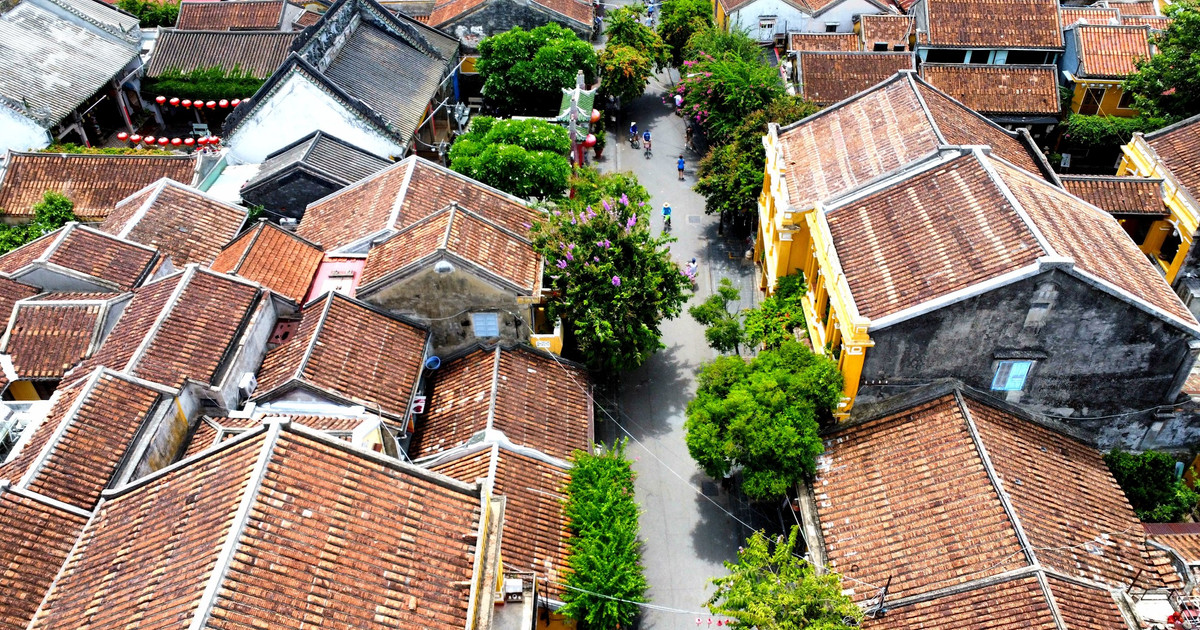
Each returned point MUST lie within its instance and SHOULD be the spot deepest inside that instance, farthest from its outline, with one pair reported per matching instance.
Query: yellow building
(1170, 154)
(1098, 57)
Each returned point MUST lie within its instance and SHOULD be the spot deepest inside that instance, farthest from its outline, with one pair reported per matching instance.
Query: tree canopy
(613, 281)
(49, 214)
(632, 54)
(525, 71)
(604, 553)
(1168, 84)
(770, 587)
(678, 20)
(722, 86)
(722, 327)
(527, 158)
(763, 415)
(1149, 482)
(624, 27)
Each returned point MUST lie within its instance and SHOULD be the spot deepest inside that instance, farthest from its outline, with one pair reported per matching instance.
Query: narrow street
(686, 526)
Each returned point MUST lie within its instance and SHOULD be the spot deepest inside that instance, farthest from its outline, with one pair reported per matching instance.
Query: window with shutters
(486, 324)
(1011, 375)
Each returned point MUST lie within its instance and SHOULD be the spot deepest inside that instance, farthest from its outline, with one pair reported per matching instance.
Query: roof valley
(186, 277)
(316, 334)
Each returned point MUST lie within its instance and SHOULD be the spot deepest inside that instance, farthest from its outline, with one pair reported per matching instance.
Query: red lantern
(223, 103)
(149, 139)
(163, 141)
(176, 141)
(174, 101)
(135, 138)
(197, 104)
(122, 136)
(595, 115)
(188, 142)
(235, 102)
(160, 99)
(201, 141)
(589, 141)
(212, 104)
(214, 140)
(187, 102)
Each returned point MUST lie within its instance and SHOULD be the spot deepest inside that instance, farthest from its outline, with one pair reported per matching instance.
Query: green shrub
(150, 13)
(1107, 131)
(75, 148)
(205, 84)
(49, 214)
(1149, 482)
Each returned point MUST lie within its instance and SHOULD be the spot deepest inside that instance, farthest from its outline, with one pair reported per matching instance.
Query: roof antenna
(880, 609)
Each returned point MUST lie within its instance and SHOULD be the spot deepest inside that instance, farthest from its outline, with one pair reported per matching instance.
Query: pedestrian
(688, 137)
(680, 166)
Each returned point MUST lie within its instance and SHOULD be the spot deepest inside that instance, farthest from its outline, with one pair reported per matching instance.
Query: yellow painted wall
(719, 15)
(1139, 160)
(23, 390)
(1108, 104)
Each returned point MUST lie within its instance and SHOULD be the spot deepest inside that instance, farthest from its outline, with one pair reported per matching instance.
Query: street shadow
(729, 518)
(655, 393)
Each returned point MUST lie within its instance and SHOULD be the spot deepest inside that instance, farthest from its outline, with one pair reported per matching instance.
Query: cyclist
(646, 139)
(666, 214)
(633, 134)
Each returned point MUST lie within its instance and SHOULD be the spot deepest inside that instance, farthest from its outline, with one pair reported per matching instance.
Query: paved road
(686, 536)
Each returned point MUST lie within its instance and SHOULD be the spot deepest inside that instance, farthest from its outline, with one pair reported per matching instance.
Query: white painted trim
(976, 289)
(62, 236)
(54, 503)
(1125, 296)
(491, 413)
(66, 421)
(984, 159)
(184, 280)
(401, 194)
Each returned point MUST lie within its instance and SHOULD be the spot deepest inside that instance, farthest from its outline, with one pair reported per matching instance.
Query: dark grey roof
(259, 52)
(392, 78)
(338, 161)
(51, 64)
(103, 15)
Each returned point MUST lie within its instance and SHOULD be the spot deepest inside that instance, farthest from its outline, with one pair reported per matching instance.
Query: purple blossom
(616, 281)
(571, 246)
(631, 222)
(697, 119)
(569, 256)
(596, 258)
(557, 213)
(606, 206)
(624, 199)
(562, 264)
(526, 226)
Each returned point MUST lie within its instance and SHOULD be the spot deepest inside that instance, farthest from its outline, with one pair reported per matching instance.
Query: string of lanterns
(210, 141)
(198, 104)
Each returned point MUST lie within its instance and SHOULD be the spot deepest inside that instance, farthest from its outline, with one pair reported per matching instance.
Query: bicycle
(647, 151)
(634, 141)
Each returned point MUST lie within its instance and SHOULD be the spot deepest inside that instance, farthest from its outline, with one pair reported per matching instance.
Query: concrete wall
(249, 354)
(498, 16)
(165, 437)
(290, 194)
(787, 18)
(1095, 355)
(18, 133)
(446, 301)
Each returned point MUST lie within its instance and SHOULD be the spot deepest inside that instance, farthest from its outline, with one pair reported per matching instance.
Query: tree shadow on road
(655, 393)
(728, 518)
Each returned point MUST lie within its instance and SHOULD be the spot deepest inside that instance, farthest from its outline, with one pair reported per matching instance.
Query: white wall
(843, 13)
(296, 109)
(787, 17)
(18, 133)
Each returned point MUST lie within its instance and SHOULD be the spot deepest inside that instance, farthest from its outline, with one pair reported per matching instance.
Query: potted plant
(600, 142)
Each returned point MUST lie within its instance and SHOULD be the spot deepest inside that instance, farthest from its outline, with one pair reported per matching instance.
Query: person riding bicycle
(666, 214)
(646, 138)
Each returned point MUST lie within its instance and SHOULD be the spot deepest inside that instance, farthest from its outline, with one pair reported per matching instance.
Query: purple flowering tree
(721, 89)
(613, 282)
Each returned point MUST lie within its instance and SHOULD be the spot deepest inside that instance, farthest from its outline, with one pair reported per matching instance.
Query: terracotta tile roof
(1094, 239)
(531, 398)
(10, 292)
(445, 11)
(1084, 607)
(183, 223)
(204, 15)
(535, 529)
(211, 431)
(1155, 22)
(1118, 195)
(489, 248)
(204, 437)
(994, 23)
(1088, 15)
(1178, 147)
(1006, 89)
(401, 195)
(178, 328)
(1110, 51)
(308, 18)
(94, 182)
(885, 28)
(874, 238)
(581, 12)
(38, 538)
(1133, 7)
(45, 339)
(1183, 538)
(75, 451)
(273, 257)
(827, 77)
(892, 125)
(388, 545)
(1065, 498)
(910, 497)
(351, 351)
(67, 296)
(119, 263)
(257, 53)
(1013, 604)
(829, 42)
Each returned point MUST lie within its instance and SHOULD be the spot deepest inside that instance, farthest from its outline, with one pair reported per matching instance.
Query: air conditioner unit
(247, 385)
(287, 223)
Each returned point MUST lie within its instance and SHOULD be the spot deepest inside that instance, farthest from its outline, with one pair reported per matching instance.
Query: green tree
(527, 158)
(763, 415)
(526, 71)
(206, 84)
(613, 281)
(719, 42)
(624, 72)
(49, 214)
(1107, 131)
(679, 20)
(592, 187)
(625, 28)
(1168, 84)
(730, 177)
(722, 327)
(775, 589)
(720, 93)
(151, 13)
(1149, 482)
(770, 324)
(604, 553)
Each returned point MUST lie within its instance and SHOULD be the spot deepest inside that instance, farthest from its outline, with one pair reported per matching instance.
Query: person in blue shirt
(680, 166)
(646, 138)
(632, 132)
(666, 216)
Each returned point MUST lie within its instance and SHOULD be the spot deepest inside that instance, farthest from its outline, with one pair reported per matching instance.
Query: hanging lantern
(235, 102)
(162, 141)
(590, 140)
(595, 115)
(223, 103)
(213, 140)
(187, 102)
(149, 139)
(122, 136)
(135, 138)
(160, 99)
(197, 104)
(201, 141)
(176, 142)
(174, 101)
(187, 142)
(212, 104)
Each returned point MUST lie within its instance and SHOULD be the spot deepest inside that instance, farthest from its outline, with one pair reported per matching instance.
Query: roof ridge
(470, 214)
(1008, 195)
(474, 182)
(155, 189)
(1175, 126)
(57, 242)
(937, 130)
(101, 233)
(445, 245)
(256, 231)
(312, 343)
(491, 414)
(401, 194)
(842, 103)
(187, 274)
